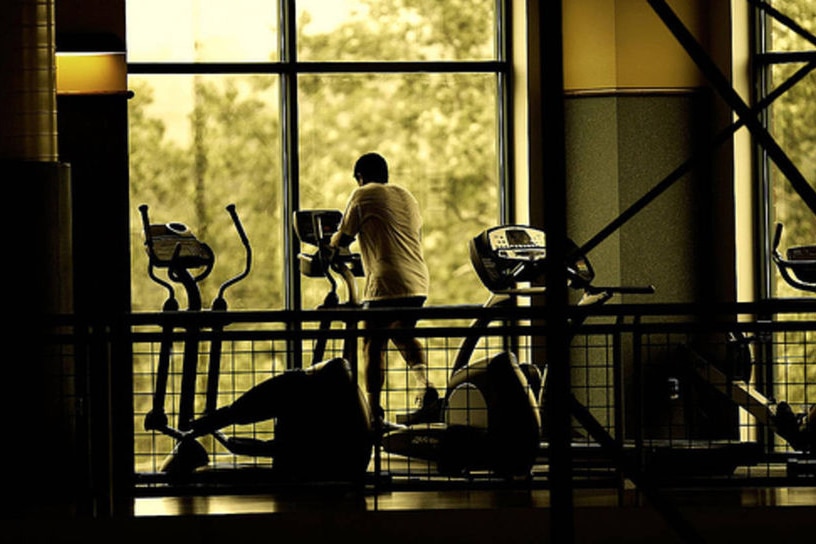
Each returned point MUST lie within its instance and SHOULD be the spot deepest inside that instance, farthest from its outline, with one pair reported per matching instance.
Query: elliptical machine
(489, 417)
(187, 261)
(322, 424)
(798, 268)
(315, 228)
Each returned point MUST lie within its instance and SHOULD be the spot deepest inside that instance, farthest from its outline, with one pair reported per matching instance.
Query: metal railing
(667, 395)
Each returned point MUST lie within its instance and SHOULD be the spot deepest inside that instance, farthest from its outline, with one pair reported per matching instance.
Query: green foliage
(438, 132)
(793, 118)
(793, 125)
(232, 157)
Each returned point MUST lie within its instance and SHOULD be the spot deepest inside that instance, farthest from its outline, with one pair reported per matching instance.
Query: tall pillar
(38, 269)
(28, 110)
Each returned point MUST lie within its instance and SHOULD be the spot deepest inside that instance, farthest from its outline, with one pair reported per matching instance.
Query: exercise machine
(322, 428)
(732, 380)
(489, 418)
(187, 261)
(798, 266)
(314, 228)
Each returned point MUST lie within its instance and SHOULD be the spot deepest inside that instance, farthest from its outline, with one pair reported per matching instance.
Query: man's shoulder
(381, 192)
(379, 189)
(395, 188)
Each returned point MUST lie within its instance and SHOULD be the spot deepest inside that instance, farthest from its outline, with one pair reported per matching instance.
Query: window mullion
(290, 168)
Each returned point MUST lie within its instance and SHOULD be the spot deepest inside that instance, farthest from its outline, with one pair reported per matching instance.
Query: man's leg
(373, 348)
(412, 351)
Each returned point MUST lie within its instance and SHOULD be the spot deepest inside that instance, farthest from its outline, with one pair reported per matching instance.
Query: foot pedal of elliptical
(187, 456)
(252, 447)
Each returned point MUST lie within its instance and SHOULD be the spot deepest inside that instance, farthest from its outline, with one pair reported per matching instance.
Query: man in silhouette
(386, 221)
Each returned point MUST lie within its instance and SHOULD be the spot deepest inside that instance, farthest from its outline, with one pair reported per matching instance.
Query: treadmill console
(505, 255)
(316, 227)
(517, 243)
(508, 254)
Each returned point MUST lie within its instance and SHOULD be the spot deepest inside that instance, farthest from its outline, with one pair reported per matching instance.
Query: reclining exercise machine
(322, 424)
(797, 268)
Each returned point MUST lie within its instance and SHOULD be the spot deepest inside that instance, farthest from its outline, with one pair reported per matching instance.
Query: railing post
(555, 311)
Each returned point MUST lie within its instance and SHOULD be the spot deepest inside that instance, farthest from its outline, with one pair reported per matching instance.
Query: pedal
(250, 446)
(186, 457)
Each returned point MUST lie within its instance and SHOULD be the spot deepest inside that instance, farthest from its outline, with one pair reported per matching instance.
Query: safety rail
(672, 395)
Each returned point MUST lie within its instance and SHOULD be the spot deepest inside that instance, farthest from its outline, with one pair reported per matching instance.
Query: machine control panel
(505, 255)
(517, 243)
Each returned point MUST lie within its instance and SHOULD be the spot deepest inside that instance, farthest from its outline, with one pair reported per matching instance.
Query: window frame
(288, 67)
(764, 60)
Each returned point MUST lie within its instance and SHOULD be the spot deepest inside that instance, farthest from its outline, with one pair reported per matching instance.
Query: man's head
(371, 167)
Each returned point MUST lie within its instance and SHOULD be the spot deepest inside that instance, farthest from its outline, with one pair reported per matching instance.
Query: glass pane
(197, 144)
(396, 30)
(792, 120)
(792, 125)
(438, 133)
(202, 31)
(803, 12)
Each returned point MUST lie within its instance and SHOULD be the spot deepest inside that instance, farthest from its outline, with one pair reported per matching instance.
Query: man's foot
(428, 408)
(382, 426)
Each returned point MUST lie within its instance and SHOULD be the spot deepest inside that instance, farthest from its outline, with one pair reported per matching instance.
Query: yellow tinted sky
(161, 30)
(234, 30)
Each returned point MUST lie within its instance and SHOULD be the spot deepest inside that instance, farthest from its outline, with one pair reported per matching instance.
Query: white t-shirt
(387, 223)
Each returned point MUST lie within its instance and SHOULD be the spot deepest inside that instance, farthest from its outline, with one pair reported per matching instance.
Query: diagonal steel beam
(727, 93)
(695, 159)
(784, 19)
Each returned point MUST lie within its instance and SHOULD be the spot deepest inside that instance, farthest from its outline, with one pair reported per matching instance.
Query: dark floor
(466, 500)
(471, 516)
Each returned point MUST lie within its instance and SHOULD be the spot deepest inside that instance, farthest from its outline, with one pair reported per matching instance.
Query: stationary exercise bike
(322, 425)
(490, 416)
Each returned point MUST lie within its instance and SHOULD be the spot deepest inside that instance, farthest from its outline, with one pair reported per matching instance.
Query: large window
(267, 105)
(787, 48)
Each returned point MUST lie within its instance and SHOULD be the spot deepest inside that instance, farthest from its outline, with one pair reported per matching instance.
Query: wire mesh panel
(720, 400)
(456, 440)
(677, 399)
(243, 365)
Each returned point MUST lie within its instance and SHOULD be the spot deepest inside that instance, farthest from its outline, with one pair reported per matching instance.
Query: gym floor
(742, 516)
(462, 499)
(728, 515)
